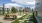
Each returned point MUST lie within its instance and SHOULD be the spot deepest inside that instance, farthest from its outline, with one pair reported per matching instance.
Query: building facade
(38, 6)
(6, 10)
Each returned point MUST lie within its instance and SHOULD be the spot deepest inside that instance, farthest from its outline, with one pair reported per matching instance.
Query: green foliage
(0, 22)
(34, 19)
(13, 10)
(20, 10)
(21, 18)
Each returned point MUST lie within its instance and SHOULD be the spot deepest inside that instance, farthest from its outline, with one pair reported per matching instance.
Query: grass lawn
(16, 21)
(34, 19)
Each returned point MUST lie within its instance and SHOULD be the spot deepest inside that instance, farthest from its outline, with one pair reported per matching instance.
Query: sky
(18, 3)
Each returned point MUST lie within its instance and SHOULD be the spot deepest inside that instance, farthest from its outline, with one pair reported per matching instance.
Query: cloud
(24, 1)
(30, 3)
(9, 5)
(20, 2)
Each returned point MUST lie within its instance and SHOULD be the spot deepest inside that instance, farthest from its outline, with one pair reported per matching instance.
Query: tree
(13, 10)
(20, 11)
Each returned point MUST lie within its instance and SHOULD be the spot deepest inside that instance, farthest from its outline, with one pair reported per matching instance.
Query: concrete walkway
(6, 21)
(39, 18)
